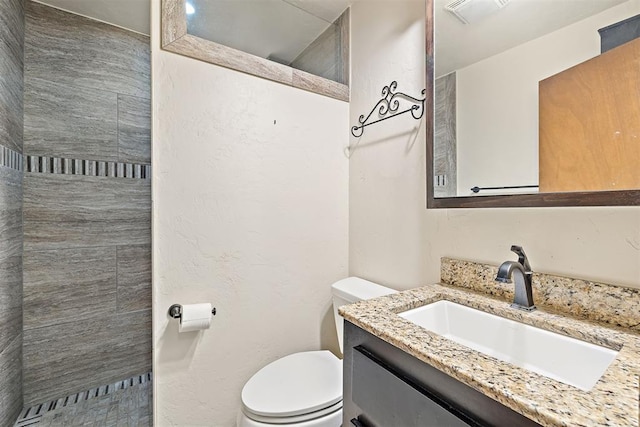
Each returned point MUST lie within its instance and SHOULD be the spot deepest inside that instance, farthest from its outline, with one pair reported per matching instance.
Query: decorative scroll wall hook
(388, 106)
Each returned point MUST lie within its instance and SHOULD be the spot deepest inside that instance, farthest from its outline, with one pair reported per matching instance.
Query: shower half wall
(11, 66)
(87, 204)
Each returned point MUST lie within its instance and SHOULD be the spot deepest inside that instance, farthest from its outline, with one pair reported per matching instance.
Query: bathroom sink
(556, 356)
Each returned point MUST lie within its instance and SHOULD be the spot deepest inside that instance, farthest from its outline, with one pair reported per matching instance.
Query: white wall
(250, 213)
(394, 240)
(252, 216)
(386, 190)
(497, 113)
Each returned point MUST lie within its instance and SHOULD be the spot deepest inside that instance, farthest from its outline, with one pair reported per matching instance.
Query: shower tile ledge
(612, 402)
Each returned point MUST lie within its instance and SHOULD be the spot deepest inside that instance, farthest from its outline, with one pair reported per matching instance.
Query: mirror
(511, 87)
(301, 43)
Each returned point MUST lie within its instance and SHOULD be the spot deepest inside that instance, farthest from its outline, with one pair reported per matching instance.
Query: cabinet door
(589, 124)
(388, 399)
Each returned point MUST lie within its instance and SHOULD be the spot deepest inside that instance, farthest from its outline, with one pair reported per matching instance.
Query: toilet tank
(350, 290)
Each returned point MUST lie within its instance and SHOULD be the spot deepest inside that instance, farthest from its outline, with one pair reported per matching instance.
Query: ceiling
(459, 45)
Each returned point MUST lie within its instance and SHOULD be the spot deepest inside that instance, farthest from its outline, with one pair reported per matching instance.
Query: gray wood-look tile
(10, 294)
(128, 407)
(10, 200)
(10, 276)
(322, 55)
(215, 53)
(70, 49)
(312, 83)
(11, 194)
(345, 40)
(62, 285)
(11, 381)
(11, 112)
(10, 233)
(134, 129)
(83, 82)
(62, 359)
(174, 21)
(444, 143)
(327, 54)
(10, 256)
(134, 278)
(69, 121)
(10, 299)
(11, 72)
(66, 211)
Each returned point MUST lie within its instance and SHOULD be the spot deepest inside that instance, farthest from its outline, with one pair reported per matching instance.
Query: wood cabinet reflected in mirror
(590, 124)
(485, 130)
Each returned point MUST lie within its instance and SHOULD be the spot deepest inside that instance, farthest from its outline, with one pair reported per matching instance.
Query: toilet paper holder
(175, 311)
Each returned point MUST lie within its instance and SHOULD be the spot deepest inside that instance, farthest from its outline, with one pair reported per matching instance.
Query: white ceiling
(329, 10)
(459, 45)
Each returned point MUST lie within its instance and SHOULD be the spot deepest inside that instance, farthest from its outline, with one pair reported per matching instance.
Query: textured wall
(87, 204)
(394, 240)
(11, 166)
(250, 214)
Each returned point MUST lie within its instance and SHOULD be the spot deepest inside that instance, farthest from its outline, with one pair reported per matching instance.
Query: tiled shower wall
(444, 145)
(11, 73)
(87, 204)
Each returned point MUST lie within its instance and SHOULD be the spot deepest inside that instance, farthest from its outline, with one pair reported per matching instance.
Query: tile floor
(123, 404)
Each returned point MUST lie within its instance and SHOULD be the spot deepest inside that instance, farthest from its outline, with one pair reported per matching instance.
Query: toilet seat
(297, 419)
(296, 388)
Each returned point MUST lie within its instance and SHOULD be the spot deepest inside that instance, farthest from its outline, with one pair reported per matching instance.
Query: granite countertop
(612, 402)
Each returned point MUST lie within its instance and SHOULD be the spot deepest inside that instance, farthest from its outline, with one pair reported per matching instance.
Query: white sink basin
(556, 356)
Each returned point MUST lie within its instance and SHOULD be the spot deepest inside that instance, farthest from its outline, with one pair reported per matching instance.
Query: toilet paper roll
(195, 317)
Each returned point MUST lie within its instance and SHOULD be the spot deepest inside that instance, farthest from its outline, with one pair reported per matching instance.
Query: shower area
(75, 220)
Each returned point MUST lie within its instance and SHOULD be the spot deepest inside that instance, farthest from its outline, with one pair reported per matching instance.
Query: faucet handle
(522, 258)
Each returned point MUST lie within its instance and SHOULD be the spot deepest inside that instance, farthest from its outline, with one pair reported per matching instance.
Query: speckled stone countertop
(614, 401)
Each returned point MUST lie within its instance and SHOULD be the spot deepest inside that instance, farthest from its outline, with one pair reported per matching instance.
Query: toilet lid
(294, 385)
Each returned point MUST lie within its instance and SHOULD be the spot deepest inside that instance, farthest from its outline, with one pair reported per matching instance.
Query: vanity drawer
(386, 387)
(387, 398)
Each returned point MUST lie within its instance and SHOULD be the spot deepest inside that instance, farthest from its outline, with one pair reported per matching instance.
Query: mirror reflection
(536, 96)
(307, 35)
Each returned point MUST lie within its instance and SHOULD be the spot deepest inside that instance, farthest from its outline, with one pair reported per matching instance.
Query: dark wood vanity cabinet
(386, 387)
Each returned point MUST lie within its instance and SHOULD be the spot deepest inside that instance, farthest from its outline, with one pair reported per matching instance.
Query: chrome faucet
(521, 272)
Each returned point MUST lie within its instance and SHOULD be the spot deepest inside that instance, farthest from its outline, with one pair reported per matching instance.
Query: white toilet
(304, 389)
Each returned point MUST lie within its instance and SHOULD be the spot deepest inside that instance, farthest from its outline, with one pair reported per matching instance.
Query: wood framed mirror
(607, 197)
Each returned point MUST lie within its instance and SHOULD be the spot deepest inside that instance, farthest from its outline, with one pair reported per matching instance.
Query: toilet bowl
(304, 389)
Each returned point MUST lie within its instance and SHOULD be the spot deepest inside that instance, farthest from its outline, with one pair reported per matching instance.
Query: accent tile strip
(44, 164)
(33, 414)
(11, 159)
(66, 166)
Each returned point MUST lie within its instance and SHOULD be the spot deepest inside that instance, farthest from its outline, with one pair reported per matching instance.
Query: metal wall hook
(388, 106)
(175, 311)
